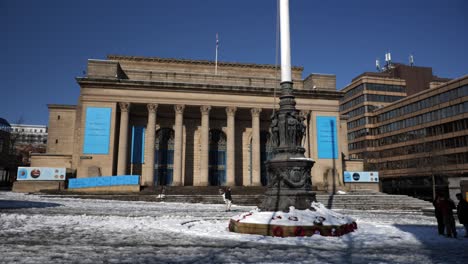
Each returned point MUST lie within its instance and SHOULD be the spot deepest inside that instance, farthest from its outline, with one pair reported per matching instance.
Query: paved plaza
(54, 229)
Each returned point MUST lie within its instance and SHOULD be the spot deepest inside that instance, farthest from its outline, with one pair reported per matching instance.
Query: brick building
(410, 126)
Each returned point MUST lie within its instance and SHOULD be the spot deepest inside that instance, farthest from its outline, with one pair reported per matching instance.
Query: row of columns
(148, 166)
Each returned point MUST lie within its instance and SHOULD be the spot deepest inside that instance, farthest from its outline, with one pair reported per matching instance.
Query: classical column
(205, 148)
(179, 116)
(256, 168)
(123, 139)
(231, 148)
(305, 140)
(148, 167)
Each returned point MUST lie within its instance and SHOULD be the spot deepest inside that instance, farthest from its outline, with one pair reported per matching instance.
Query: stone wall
(60, 138)
(51, 160)
(320, 82)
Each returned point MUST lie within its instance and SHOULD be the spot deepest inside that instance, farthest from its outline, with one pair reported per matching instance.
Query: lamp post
(289, 181)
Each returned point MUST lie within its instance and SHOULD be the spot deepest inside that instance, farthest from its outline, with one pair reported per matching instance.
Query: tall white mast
(285, 42)
(216, 56)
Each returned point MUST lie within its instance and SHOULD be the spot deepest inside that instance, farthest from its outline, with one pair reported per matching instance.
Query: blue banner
(97, 130)
(103, 181)
(327, 140)
(138, 145)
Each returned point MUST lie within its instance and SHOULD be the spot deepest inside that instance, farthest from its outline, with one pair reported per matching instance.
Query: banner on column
(97, 130)
(327, 145)
(138, 144)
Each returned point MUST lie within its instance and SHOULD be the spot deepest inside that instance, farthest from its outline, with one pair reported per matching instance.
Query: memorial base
(296, 223)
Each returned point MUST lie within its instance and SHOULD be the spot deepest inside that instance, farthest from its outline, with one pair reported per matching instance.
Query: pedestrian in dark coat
(438, 215)
(462, 212)
(446, 207)
(228, 198)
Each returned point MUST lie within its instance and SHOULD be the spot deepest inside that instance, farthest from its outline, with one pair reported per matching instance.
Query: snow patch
(320, 215)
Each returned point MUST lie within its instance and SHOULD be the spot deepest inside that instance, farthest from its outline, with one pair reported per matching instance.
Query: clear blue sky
(45, 44)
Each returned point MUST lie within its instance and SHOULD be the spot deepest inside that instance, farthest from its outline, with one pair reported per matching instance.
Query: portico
(207, 133)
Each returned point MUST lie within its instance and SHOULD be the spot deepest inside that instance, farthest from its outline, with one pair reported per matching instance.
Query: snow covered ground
(47, 229)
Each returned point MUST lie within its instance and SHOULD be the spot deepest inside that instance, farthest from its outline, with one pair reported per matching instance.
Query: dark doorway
(217, 158)
(164, 156)
(265, 154)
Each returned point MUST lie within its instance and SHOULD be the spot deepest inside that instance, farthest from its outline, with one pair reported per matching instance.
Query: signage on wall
(361, 176)
(41, 174)
(327, 142)
(97, 130)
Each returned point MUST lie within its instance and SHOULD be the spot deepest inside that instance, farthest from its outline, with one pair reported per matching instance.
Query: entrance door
(164, 156)
(265, 154)
(217, 158)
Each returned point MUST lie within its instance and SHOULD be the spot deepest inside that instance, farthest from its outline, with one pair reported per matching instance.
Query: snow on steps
(355, 200)
(348, 201)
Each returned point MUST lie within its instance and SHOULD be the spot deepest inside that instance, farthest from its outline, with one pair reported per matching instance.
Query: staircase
(252, 196)
(373, 202)
(356, 200)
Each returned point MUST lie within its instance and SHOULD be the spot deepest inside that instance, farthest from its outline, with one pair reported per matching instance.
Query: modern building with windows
(416, 137)
(25, 134)
(177, 123)
(7, 164)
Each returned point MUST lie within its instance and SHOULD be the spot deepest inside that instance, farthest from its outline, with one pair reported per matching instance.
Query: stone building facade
(175, 122)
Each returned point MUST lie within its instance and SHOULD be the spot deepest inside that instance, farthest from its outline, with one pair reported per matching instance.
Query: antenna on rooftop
(377, 64)
(411, 60)
(388, 60)
(388, 57)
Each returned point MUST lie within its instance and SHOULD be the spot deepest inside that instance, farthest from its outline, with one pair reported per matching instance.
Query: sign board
(327, 145)
(97, 130)
(41, 174)
(361, 176)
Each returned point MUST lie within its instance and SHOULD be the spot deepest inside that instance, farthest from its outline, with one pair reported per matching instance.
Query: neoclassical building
(175, 122)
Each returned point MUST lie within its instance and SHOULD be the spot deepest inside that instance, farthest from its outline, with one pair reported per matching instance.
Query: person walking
(438, 215)
(462, 212)
(446, 207)
(228, 199)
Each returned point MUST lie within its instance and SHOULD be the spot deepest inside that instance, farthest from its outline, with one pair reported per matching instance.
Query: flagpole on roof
(216, 57)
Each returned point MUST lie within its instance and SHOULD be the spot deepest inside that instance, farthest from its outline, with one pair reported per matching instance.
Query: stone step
(349, 202)
(253, 196)
(205, 190)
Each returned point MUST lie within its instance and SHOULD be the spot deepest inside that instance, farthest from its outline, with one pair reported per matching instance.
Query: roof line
(205, 62)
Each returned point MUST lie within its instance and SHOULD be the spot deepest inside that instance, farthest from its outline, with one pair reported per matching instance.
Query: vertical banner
(138, 144)
(327, 142)
(97, 130)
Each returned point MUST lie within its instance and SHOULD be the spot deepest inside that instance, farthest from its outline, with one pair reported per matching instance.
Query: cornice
(61, 106)
(86, 82)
